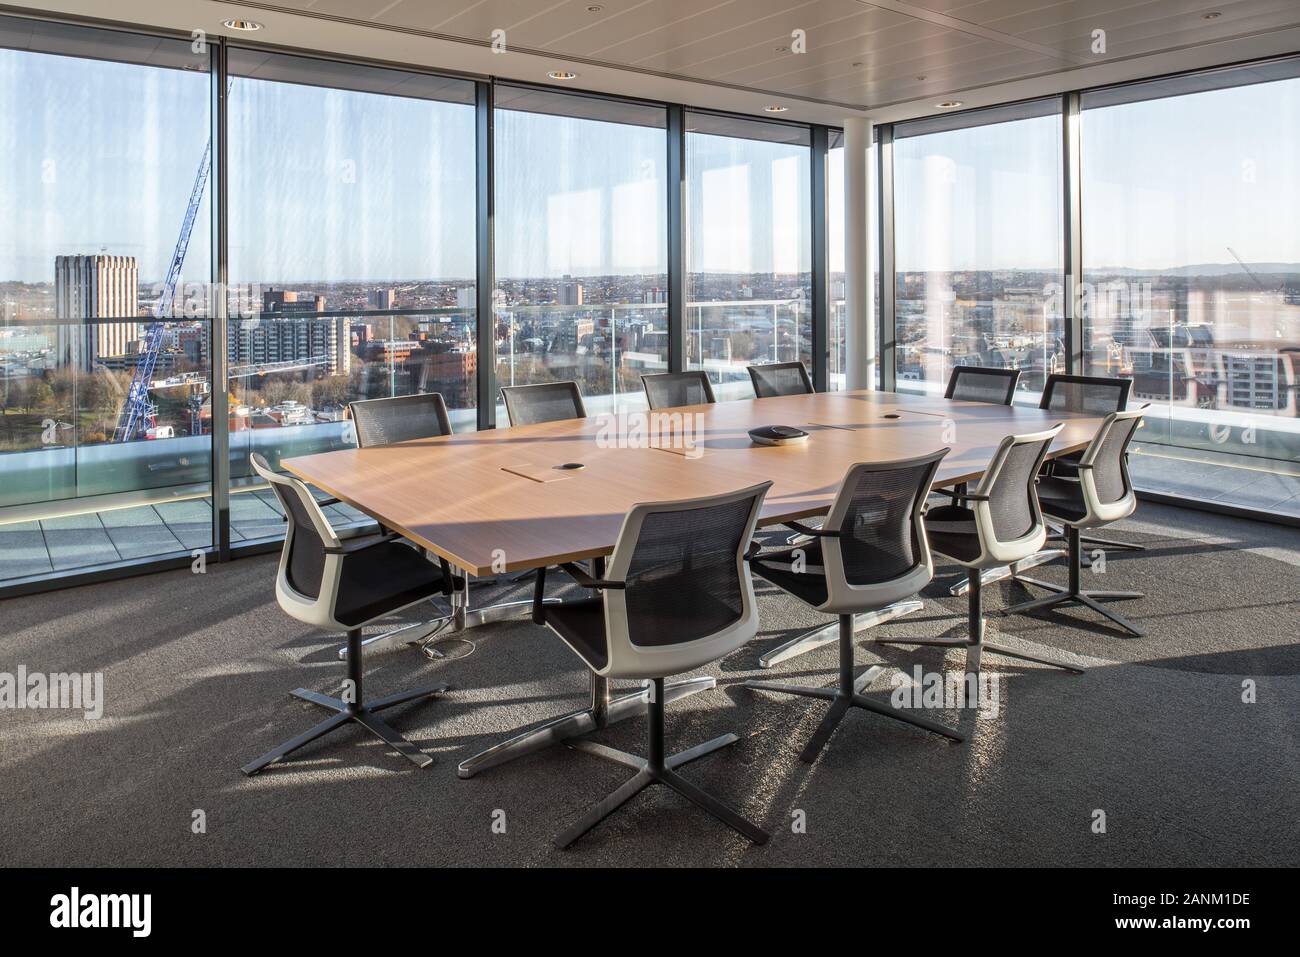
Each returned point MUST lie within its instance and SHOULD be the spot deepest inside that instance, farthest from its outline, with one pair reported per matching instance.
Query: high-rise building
(570, 291)
(383, 299)
(289, 331)
(95, 287)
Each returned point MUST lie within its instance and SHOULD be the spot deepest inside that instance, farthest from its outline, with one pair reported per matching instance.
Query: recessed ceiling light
(782, 49)
(595, 8)
(235, 23)
(948, 104)
(920, 78)
(856, 63)
(1211, 16)
(562, 75)
(774, 108)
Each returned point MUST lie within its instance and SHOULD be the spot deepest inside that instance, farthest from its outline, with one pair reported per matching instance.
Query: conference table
(512, 499)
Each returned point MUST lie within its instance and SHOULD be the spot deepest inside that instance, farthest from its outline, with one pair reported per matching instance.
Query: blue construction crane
(138, 411)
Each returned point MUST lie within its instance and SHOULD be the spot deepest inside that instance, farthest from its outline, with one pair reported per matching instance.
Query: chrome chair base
(1074, 594)
(975, 645)
(1086, 599)
(655, 768)
(1105, 544)
(1003, 572)
(828, 634)
(846, 696)
(603, 711)
(366, 715)
(425, 633)
(975, 650)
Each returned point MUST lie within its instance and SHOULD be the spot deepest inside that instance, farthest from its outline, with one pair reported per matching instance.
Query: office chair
(999, 524)
(869, 554)
(1097, 395)
(668, 390)
(981, 384)
(1101, 494)
(780, 378)
(1064, 393)
(403, 418)
(677, 595)
(345, 584)
(400, 418)
(543, 402)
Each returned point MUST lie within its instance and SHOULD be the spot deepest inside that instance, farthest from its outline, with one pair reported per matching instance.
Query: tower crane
(139, 411)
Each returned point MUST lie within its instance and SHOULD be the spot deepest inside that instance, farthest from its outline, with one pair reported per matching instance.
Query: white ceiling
(885, 58)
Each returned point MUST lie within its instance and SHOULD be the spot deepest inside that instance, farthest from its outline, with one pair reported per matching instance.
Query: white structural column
(860, 345)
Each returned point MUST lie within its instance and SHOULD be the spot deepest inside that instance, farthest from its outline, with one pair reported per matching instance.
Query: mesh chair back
(1009, 521)
(780, 378)
(881, 554)
(667, 390)
(543, 402)
(1103, 472)
(980, 384)
(399, 419)
(302, 561)
(689, 598)
(1096, 395)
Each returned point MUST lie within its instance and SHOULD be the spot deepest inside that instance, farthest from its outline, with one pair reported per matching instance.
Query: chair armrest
(351, 548)
(808, 530)
(968, 496)
(586, 581)
(752, 551)
(322, 502)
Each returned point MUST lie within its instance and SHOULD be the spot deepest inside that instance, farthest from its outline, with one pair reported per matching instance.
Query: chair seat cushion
(382, 579)
(808, 585)
(1062, 499)
(581, 624)
(952, 532)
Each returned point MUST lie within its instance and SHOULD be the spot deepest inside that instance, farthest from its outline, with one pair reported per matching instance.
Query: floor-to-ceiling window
(581, 243)
(103, 345)
(979, 253)
(351, 225)
(1191, 251)
(748, 247)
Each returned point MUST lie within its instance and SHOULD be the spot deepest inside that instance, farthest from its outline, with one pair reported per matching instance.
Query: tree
(39, 397)
(333, 390)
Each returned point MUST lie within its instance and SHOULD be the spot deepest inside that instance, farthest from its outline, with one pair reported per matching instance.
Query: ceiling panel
(953, 44)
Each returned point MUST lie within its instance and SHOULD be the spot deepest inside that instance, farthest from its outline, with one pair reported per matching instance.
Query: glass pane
(104, 346)
(581, 246)
(1192, 269)
(352, 258)
(748, 255)
(979, 253)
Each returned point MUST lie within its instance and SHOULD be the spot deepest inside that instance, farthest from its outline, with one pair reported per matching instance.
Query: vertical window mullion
(485, 274)
(219, 325)
(888, 279)
(676, 181)
(820, 265)
(1071, 191)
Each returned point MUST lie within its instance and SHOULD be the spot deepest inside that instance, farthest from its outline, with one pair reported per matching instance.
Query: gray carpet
(198, 669)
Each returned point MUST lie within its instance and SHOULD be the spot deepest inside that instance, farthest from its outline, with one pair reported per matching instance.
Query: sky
(340, 185)
(1166, 182)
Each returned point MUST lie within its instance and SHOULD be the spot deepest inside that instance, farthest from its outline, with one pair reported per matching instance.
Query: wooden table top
(493, 501)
